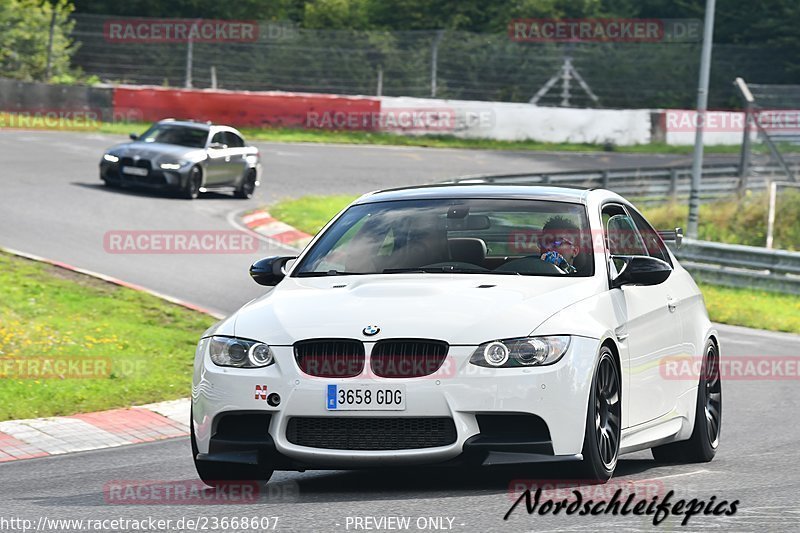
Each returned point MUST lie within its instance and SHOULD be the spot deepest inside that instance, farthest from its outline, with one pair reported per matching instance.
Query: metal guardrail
(650, 183)
(735, 265)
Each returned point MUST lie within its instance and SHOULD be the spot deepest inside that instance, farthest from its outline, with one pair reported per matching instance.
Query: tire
(193, 183)
(248, 186)
(702, 445)
(603, 421)
(221, 474)
(110, 184)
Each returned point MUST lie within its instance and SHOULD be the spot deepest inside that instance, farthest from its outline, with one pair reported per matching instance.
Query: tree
(24, 37)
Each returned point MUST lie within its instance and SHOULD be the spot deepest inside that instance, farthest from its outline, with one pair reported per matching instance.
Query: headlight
(240, 353)
(170, 166)
(110, 158)
(526, 351)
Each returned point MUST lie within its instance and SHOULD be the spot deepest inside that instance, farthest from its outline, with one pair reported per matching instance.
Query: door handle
(672, 305)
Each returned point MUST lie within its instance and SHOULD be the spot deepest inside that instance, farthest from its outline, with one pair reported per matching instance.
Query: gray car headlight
(240, 353)
(521, 352)
(171, 166)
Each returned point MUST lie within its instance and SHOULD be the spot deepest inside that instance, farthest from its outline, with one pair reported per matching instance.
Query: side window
(655, 246)
(621, 235)
(218, 137)
(233, 140)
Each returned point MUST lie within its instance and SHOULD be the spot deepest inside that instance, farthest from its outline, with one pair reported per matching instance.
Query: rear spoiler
(672, 235)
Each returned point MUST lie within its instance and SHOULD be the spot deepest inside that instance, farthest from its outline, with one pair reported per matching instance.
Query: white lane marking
(702, 471)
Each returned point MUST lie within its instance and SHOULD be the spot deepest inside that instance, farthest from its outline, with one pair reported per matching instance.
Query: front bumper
(155, 178)
(556, 394)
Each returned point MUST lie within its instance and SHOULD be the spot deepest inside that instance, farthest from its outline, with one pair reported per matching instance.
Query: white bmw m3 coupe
(462, 325)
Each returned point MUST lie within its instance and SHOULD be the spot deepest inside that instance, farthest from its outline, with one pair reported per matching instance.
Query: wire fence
(441, 64)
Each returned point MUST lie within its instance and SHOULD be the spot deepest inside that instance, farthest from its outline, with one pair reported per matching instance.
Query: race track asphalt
(53, 205)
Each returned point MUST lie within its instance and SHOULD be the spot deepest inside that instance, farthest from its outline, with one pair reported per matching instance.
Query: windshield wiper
(327, 273)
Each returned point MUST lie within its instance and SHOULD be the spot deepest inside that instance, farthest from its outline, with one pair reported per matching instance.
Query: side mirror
(133, 136)
(269, 271)
(640, 270)
(217, 146)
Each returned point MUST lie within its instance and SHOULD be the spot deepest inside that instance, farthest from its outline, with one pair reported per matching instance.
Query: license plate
(366, 397)
(136, 171)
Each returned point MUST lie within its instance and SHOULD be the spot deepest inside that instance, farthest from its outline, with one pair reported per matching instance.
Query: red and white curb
(40, 437)
(265, 224)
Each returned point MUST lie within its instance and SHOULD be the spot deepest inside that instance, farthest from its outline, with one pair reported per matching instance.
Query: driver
(557, 244)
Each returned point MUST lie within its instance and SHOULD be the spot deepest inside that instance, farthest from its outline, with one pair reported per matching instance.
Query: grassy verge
(309, 213)
(751, 308)
(294, 135)
(738, 221)
(126, 347)
(741, 307)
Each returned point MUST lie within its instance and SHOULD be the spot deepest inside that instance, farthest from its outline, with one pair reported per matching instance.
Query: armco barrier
(148, 104)
(735, 265)
(646, 184)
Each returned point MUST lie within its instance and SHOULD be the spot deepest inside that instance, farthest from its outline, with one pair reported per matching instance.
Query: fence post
(435, 60)
(773, 190)
(673, 184)
(379, 90)
(605, 179)
(189, 53)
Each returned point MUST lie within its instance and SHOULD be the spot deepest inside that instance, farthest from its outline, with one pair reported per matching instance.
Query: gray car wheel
(193, 183)
(248, 186)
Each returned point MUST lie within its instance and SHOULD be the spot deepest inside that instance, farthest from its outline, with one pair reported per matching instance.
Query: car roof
(189, 123)
(482, 190)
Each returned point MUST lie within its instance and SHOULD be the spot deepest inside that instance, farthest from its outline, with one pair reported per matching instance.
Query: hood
(459, 309)
(157, 152)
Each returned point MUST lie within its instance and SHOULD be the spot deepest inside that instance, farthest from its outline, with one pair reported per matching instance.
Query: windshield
(464, 236)
(180, 135)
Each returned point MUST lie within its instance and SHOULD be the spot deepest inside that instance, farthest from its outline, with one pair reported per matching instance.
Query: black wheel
(222, 474)
(193, 183)
(248, 186)
(702, 445)
(603, 420)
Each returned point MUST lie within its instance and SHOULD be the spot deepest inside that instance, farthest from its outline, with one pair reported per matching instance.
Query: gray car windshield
(179, 135)
(455, 236)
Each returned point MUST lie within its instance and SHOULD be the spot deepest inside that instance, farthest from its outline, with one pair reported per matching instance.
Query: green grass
(309, 213)
(144, 345)
(741, 307)
(752, 308)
